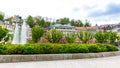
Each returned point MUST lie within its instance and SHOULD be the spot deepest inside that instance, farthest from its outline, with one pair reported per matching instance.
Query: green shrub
(82, 49)
(101, 36)
(45, 48)
(103, 48)
(55, 48)
(37, 49)
(37, 33)
(112, 36)
(29, 50)
(2, 49)
(111, 48)
(94, 48)
(14, 49)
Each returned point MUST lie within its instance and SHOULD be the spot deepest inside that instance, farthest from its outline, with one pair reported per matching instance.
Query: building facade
(65, 29)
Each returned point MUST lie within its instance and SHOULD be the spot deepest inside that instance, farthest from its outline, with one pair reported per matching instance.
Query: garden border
(49, 57)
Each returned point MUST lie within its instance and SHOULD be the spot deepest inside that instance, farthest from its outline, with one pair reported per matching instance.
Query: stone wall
(49, 57)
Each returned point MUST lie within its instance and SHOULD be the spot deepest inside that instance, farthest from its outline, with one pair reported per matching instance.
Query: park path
(106, 62)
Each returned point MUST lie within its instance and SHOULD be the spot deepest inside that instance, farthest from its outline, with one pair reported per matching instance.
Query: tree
(70, 38)
(47, 24)
(30, 21)
(64, 20)
(37, 33)
(43, 23)
(87, 24)
(77, 23)
(40, 22)
(1, 16)
(54, 36)
(85, 36)
(3, 33)
(80, 24)
(72, 22)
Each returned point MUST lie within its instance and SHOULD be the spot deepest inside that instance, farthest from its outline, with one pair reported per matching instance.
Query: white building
(65, 29)
(8, 26)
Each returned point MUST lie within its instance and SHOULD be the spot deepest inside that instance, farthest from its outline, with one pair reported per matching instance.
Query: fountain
(23, 34)
(20, 36)
(16, 35)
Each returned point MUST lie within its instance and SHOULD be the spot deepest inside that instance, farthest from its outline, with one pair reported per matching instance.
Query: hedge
(55, 48)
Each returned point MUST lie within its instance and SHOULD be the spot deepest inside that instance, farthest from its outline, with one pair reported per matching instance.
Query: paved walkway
(107, 62)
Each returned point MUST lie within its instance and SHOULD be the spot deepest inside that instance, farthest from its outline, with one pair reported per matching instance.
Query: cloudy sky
(96, 11)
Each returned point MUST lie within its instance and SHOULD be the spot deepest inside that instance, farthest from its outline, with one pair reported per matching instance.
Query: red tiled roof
(85, 28)
(80, 28)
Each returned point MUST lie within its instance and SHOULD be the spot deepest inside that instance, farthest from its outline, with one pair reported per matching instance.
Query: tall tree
(80, 23)
(1, 16)
(30, 21)
(77, 23)
(40, 22)
(87, 23)
(64, 20)
(72, 22)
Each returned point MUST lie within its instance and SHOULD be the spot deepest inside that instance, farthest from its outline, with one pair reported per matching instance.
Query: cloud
(76, 9)
(111, 9)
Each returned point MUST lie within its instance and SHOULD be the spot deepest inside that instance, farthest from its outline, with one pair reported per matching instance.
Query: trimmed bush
(13, 49)
(94, 48)
(103, 47)
(2, 49)
(111, 48)
(55, 48)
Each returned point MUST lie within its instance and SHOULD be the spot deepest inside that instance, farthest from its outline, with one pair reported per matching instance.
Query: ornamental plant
(37, 33)
(54, 36)
(70, 38)
(85, 36)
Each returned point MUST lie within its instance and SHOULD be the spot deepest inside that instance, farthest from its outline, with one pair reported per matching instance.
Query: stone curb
(48, 57)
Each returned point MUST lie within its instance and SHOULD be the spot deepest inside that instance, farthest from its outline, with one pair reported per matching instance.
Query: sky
(96, 11)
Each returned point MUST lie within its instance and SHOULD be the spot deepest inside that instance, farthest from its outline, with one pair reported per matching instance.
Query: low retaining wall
(48, 57)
